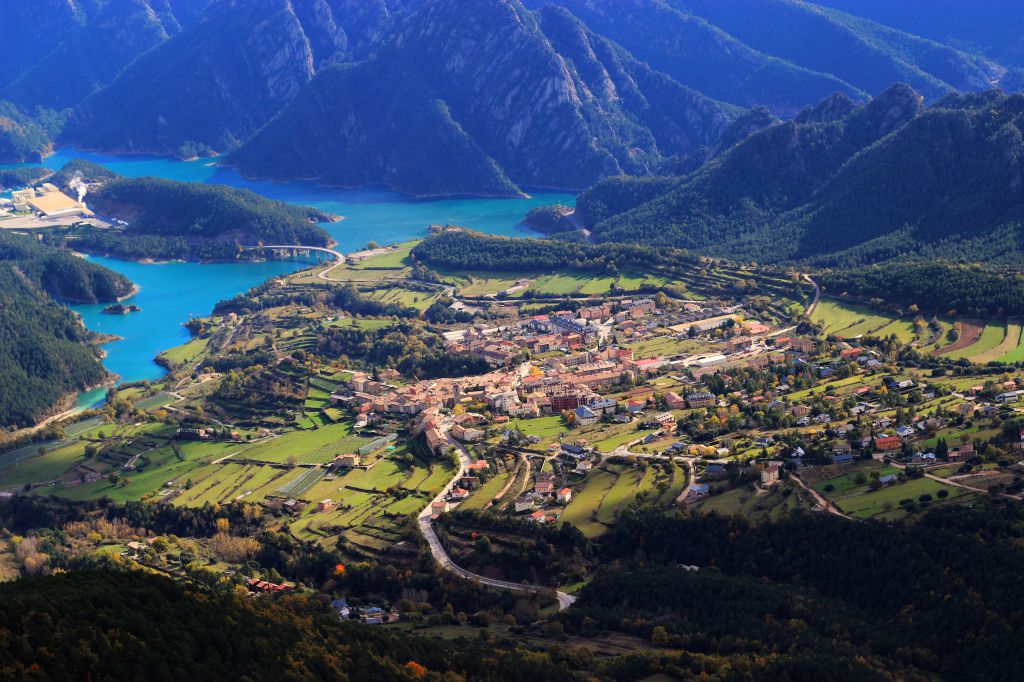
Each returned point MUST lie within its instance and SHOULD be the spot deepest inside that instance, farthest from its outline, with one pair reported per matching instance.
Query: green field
(395, 259)
(404, 297)
(542, 427)
(621, 494)
(156, 468)
(850, 320)
(846, 483)
(991, 337)
(610, 444)
(221, 483)
(383, 475)
(667, 345)
(156, 400)
(480, 498)
(297, 485)
(26, 465)
(186, 353)
(1013, 334)
(746, 501)
(586, 500)
(313, 446)
(878, 502)
(493, 282)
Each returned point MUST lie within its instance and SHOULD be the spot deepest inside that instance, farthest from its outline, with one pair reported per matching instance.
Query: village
(579, 404)
(580, 407)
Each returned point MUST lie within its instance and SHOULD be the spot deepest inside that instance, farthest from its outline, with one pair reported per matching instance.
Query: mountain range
(841, 184)
(433, 97)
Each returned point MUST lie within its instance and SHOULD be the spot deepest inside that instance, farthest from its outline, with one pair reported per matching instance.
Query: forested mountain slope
(43, 351)
(704, 57)
(436, 97)
(842, 185)
(167, 219)
(861, 52)
(95, 51)
(991, 27)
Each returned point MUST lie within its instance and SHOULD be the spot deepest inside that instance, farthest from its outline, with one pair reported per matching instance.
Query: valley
(511, 340)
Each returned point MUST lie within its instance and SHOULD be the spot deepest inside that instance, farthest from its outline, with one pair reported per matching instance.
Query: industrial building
(48, 202)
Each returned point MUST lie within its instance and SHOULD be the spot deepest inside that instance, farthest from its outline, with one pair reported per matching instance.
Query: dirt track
(970, 332)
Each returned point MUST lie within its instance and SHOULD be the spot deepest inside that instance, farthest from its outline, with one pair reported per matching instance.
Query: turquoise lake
(171, 293)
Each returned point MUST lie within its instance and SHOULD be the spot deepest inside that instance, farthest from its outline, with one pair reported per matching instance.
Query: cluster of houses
(546, 492)
(257, 586)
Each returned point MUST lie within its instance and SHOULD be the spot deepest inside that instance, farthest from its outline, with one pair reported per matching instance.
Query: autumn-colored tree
(415, 669)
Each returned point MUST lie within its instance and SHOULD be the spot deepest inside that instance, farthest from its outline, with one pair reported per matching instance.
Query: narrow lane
(441, 556)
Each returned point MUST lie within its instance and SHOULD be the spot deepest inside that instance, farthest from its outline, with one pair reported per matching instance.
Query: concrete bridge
(295, 250)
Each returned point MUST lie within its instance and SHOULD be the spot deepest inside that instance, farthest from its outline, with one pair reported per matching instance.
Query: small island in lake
(120, 309)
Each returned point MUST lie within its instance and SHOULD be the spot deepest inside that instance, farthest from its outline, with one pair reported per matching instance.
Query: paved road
(445, 561)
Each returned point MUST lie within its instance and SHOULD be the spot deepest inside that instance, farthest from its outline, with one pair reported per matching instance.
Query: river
(170, 293)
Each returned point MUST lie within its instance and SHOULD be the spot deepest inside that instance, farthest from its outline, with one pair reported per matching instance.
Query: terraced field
(886, 500)
(298, 485)
(404, 297)
(486, 493)
(317, 446)
(1007, 344)
(976, 340)
(1013, 335)
(222, 483)
(849, 320)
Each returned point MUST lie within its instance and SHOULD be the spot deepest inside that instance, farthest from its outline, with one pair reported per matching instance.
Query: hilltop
(168, 219)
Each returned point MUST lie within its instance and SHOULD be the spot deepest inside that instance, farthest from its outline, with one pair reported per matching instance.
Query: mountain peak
(833, 108)
(891, 109)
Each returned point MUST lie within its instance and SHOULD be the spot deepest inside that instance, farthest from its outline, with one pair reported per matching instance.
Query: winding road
(441, 556)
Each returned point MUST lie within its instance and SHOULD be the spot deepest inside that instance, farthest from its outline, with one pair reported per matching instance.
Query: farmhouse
(347, 461)
(770, 473)
(523, 503)
(545, 483)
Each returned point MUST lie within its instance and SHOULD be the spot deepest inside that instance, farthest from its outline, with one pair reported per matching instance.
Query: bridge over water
(296, 250)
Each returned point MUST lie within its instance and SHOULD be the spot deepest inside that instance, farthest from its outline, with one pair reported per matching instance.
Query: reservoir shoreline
(170, 293)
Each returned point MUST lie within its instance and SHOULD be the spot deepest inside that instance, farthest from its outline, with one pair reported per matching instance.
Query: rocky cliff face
(532, 100)
(504, 94)
(214, 84)
(703, 57)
